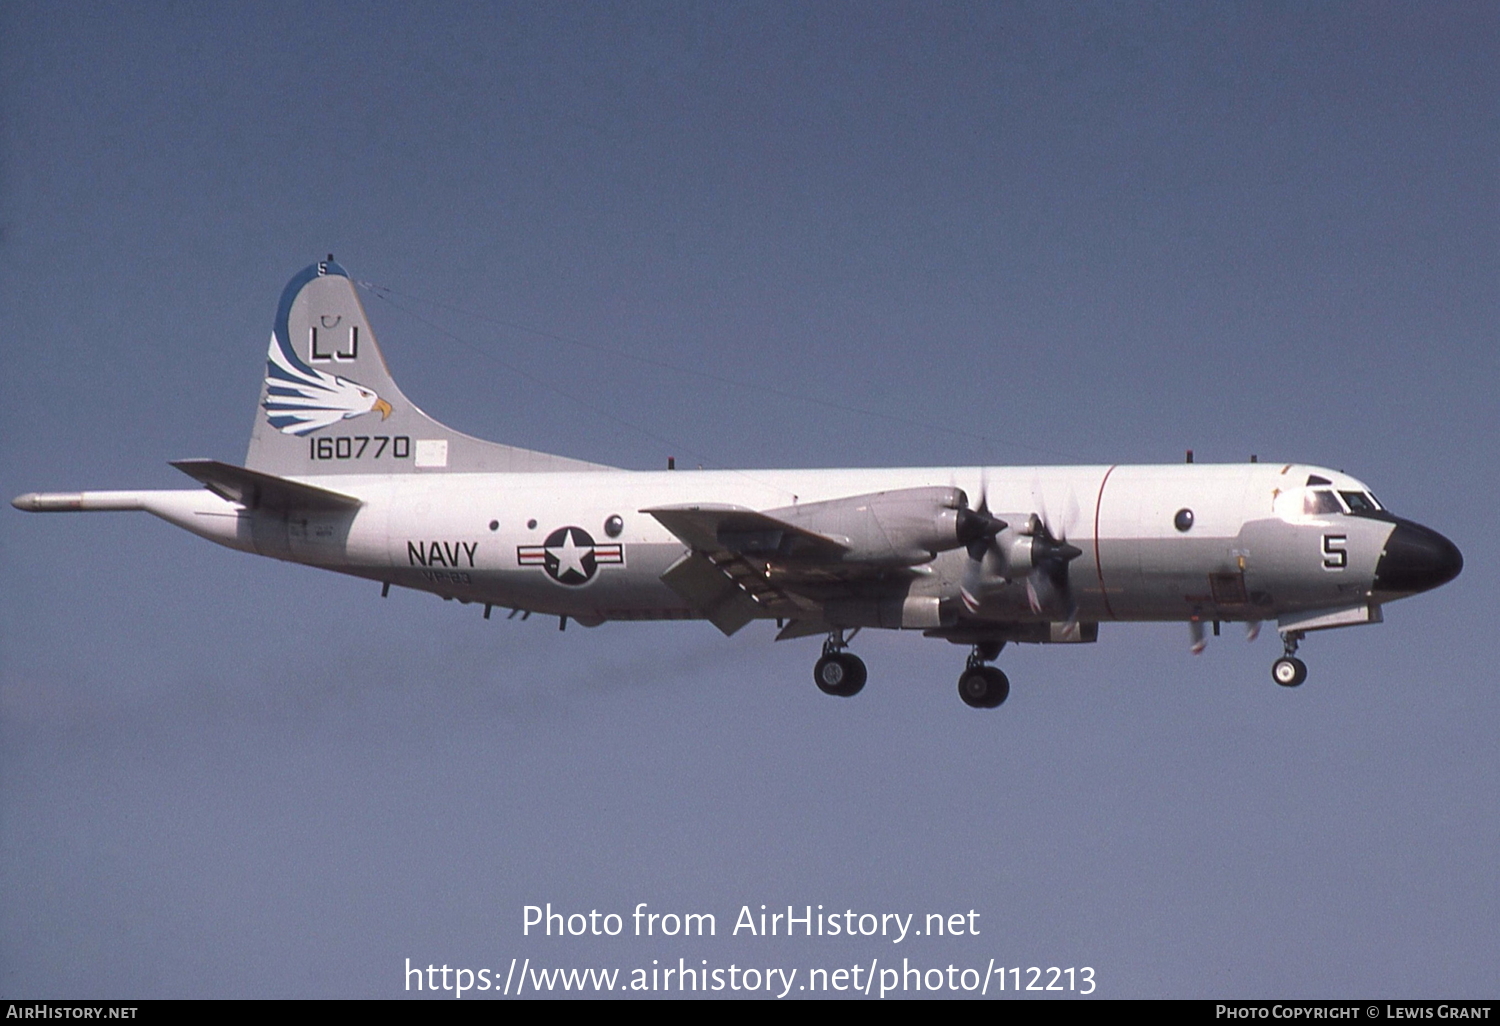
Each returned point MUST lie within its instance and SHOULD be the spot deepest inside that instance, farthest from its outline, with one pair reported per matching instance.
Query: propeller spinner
(977, 529)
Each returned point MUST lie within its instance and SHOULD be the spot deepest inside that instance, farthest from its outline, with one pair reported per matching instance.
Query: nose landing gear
(839, 673)
(981, 686)
(1289, 671)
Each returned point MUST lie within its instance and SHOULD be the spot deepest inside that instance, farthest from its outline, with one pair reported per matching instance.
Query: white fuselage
(1252, 551)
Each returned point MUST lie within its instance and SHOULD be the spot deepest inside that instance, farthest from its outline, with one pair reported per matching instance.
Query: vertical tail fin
(329, 406)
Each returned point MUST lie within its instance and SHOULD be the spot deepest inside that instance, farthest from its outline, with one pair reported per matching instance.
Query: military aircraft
(346, 474)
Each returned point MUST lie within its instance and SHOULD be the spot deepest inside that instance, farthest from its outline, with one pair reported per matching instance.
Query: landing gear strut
(838, 672)
(1289, 671)
(981, 686)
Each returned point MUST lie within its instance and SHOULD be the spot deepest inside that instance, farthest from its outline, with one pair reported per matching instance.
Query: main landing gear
(838, 672)
(981, 686)
(1289, 671)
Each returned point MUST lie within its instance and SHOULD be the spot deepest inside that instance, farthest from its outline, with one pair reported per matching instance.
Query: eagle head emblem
(302, 399)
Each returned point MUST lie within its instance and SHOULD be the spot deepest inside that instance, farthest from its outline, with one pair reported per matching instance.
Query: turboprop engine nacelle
(1021, 546)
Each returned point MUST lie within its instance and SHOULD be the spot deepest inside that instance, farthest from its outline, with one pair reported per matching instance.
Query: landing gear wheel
(1289, 671)
(983, 687)
(840, 673)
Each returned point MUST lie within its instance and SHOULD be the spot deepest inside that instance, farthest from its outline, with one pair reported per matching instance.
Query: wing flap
(722, 601)
(256, 490)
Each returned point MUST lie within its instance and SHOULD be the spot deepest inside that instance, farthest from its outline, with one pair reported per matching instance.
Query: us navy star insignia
(570, 556)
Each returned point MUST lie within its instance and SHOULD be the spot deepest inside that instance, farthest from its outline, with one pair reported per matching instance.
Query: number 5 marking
(1335, 557)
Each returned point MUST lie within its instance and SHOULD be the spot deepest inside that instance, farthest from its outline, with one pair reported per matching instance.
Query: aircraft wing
(717, 577)
(745, 564)
(745, 532)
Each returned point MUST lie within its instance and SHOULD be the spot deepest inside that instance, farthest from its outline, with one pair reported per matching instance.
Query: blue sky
(1008, 233)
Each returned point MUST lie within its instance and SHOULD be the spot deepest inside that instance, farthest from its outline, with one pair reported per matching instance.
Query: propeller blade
(1071, 513)
(971, 588)
(1048, 592)
(977, 530)
(1070, 516)
(1199, 642)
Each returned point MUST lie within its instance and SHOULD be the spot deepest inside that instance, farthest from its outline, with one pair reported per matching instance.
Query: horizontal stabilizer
(744, 532)
(255, 490)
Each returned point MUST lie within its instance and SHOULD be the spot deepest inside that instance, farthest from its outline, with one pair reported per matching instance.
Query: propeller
(977, 529)
(1047, 586)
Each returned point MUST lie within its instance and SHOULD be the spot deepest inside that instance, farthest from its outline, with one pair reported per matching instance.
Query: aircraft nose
(1416, 558)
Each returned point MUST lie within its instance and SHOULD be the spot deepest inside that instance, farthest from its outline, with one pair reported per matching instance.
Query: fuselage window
(1320, 503)
(1359, 502)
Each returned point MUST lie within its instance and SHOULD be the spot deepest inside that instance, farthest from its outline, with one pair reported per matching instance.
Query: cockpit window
(1320, 502)
(1359, 502)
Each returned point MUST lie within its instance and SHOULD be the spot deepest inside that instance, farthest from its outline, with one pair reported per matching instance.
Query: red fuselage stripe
(1098, 561)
